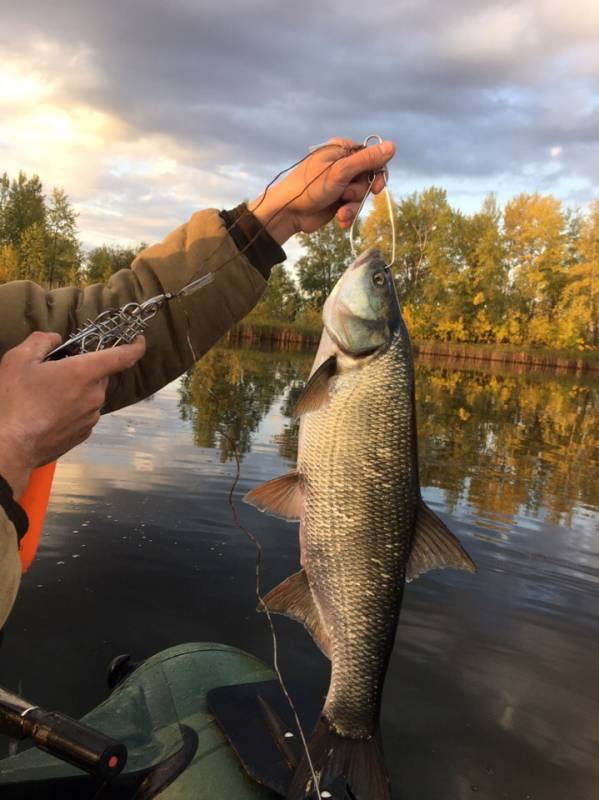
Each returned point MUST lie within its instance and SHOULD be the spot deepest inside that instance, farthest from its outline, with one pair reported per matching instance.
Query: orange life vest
(35, 502)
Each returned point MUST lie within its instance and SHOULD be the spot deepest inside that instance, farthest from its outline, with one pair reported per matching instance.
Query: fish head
(362, 312)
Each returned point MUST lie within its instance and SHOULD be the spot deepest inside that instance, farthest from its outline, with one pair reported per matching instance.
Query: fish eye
(378, 278)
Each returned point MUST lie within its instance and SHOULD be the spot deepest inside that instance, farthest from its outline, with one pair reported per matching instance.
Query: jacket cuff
(243, 227)
(13, 510)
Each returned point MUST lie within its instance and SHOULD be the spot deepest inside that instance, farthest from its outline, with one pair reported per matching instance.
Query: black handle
(62, 736)
(72, 741)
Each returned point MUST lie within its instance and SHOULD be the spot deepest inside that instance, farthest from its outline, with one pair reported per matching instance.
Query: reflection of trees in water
(288, 438)
(505, 442)
(228, 393)
(501, 441)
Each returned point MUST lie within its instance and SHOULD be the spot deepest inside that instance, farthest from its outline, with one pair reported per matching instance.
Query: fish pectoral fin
(293, 598)
(282, 496)
(434, 546)
(317, 390)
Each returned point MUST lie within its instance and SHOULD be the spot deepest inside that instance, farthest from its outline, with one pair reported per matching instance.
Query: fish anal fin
(293, 598)
(316, 391)
(434, 546)
(281, 497)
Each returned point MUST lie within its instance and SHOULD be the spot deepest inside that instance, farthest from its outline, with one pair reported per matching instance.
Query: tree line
(39, 240)
(525, 274)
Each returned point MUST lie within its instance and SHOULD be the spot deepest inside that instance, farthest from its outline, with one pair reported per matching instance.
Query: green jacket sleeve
(180, 333)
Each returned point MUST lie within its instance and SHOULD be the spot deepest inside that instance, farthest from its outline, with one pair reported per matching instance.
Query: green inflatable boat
(202, 721)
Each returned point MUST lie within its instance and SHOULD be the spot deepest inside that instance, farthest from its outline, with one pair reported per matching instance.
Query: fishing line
(261, 604)
(252, 538)
(247, 212)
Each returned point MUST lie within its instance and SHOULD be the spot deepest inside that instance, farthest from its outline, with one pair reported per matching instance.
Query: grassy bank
(512, 354)
(306, 334)
(283, 333)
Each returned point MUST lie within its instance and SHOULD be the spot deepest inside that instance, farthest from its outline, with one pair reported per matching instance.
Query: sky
(147, 110)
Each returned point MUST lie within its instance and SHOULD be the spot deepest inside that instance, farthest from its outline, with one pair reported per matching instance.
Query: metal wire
(372, 178)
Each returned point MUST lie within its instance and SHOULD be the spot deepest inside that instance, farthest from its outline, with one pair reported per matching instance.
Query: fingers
(380, 182)
(345, 215)
(347, 144)
(103, 363)
(356, 190)
(368, 159)
(37, 346)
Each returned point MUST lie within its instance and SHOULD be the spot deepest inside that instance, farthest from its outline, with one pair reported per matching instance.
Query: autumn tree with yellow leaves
(525, 275)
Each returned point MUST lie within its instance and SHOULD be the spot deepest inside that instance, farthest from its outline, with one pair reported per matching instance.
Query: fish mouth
(372, 257)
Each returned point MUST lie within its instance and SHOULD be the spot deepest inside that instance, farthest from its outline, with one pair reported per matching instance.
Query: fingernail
(387, 148)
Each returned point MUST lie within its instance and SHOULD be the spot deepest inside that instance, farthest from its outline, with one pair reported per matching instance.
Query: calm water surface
(492, 691)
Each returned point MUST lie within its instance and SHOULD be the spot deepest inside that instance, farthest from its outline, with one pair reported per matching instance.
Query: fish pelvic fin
(434, 546)
(317, 391)
(293, 598)
(347, 768)
(281, 497)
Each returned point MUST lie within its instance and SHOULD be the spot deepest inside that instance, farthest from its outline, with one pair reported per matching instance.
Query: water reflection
(229, 392)
(489, 670)
(492, 684)
(502, 442)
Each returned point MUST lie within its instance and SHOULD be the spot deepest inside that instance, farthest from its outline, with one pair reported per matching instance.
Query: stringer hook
(371, 179)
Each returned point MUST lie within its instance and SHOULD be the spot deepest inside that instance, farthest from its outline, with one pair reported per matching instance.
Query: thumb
(37, 345)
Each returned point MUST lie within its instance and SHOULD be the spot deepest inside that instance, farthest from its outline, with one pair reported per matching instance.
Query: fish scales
(357, 460)
(364, 527)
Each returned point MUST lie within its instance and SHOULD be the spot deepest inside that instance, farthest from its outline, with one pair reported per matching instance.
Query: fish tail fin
(347, 769)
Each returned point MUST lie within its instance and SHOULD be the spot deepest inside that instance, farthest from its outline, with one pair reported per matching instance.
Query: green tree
(4, 190)
(104, 261)
(64, 250)
(282, 299)
(423, 222)
(327, 254)
(22, 206)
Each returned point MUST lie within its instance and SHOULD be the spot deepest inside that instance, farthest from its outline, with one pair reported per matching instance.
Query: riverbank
(511, 354)
(297, 335)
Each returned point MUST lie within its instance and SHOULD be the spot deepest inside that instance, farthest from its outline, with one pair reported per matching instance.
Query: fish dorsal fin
(434, 546)
(281, 497)
(293, 598)
(316, 391)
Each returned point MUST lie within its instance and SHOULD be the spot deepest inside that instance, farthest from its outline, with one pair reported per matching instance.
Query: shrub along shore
(302, 336)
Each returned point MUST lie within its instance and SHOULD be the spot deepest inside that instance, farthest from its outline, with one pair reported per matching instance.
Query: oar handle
(72, 741)
(63, 737)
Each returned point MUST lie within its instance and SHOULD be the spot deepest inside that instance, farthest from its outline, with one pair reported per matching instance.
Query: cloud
(149, 109)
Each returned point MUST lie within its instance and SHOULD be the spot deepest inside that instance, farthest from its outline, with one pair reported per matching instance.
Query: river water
(492, 690)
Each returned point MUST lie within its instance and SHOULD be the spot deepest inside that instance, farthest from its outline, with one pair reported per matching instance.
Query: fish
(364, 527)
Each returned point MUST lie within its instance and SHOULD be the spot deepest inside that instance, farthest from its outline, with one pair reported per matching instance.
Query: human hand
(331, 182)
(47, 408)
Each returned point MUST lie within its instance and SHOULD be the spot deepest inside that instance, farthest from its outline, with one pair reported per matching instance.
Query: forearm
(200, 246)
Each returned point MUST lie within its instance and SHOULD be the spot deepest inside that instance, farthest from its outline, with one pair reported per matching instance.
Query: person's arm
(185, 329)
(200, 246)
(46, 408)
